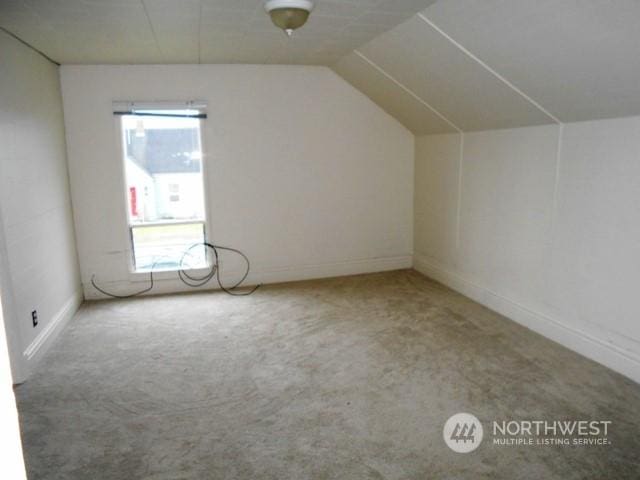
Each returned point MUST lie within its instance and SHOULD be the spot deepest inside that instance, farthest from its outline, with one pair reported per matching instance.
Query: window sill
(172, 274)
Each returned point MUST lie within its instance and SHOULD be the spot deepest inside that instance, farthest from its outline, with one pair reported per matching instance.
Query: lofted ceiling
(436, 66)
(463, 65)
(196, 31)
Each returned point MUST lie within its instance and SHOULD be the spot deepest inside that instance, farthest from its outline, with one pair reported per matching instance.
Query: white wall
(10, 443)
(541, 224)
(39, 263)
(304, 174)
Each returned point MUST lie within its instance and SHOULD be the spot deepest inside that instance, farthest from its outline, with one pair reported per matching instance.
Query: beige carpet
(348, 378)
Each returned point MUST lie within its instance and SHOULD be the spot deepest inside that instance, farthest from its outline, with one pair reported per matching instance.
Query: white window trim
(164, 274)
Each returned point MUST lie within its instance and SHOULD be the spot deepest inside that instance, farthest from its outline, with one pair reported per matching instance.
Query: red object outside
(133, 201)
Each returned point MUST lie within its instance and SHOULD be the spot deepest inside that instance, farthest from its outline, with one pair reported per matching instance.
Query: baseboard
(328, 270)
(585, 343)
(36, 349)
(266, 275)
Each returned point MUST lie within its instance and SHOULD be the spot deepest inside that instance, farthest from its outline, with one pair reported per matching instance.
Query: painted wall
(304, 174)
(10, 441)
(40, 270)
(541, 224)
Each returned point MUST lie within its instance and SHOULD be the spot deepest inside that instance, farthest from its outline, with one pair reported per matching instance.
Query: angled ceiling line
(153, 32)
(200, 32)
(488, 68)
(28, 45)
(408, 90)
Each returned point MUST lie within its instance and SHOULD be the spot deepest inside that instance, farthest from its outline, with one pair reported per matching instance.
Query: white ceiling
(400, 103)
(486, 64)
(580, 59)
(196, 31)
(446, 66)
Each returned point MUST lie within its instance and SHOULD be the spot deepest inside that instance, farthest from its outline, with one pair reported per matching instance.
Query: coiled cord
(193, 281)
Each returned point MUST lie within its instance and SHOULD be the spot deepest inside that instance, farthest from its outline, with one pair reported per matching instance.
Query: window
(174, 188)
(162, 153)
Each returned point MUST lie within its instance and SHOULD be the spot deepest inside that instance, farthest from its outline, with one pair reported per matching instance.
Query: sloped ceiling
(196, 31)
(487, 64)
(445, 66)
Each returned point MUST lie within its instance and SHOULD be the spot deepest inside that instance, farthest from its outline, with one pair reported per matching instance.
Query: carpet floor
(346, 378)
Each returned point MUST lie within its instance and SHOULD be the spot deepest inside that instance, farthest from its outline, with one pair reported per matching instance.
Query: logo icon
(462, 433)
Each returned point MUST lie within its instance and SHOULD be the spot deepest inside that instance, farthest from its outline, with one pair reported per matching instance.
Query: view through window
(165, 193)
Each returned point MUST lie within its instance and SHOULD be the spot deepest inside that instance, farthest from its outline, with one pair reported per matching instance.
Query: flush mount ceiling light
(288, 14)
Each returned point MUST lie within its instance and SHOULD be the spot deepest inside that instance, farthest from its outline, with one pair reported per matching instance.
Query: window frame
(161, 273)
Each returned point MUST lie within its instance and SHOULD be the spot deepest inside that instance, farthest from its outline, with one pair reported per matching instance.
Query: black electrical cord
(193, 281)
(113, 295)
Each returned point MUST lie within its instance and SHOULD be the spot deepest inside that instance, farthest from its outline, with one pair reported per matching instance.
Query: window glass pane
(163, 164)
(165, 245)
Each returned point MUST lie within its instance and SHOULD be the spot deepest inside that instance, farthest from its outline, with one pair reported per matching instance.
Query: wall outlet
(34, 318)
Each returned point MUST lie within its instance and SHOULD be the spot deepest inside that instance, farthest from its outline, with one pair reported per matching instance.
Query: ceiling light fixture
(288, 14)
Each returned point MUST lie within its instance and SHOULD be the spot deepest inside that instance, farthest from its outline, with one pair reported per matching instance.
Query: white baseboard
(327, 270)
(585, 343)
(262, 275)
(36, 349)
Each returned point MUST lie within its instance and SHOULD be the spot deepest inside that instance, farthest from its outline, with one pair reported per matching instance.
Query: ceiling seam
(199, 32)
(488, 68)
(459, 192)
(153, 32)
(27, 44)
(407, 90)
(556, 183)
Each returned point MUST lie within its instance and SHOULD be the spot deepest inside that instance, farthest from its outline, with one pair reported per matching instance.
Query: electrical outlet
(34, 318)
